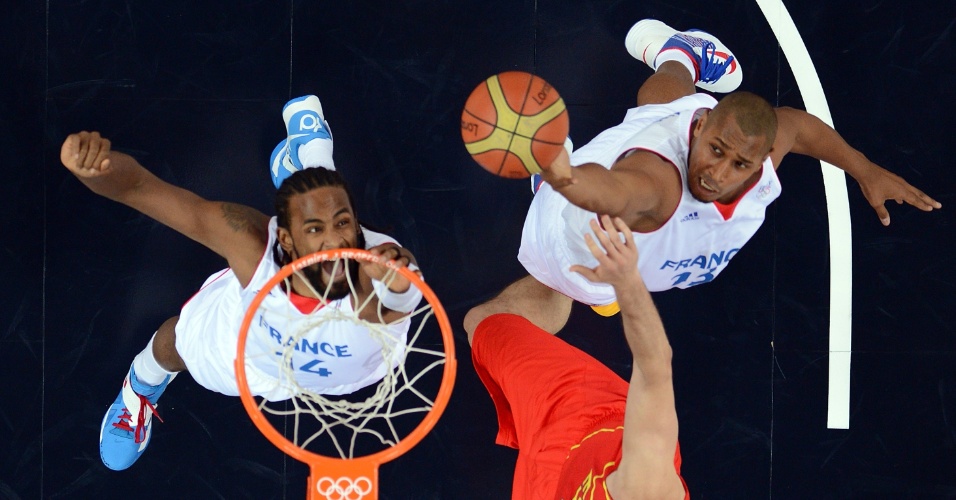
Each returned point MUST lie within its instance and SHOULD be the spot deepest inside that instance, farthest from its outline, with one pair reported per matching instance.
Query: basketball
(513, 123)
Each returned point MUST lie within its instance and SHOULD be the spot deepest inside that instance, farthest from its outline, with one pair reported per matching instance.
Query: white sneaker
(717, 68)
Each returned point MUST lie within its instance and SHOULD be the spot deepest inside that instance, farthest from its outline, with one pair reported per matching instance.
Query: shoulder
(789, 122)
(648, 165)
(245, 238)
(374, 238)
(245, 219)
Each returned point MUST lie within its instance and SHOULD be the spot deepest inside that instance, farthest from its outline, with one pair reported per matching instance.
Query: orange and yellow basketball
(513, 123)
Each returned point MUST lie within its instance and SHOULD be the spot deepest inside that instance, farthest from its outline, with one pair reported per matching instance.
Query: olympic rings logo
(344, 488)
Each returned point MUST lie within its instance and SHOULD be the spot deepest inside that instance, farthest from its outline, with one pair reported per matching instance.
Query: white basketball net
(341, 420)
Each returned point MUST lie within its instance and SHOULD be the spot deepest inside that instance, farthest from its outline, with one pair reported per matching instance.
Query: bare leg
(527, 297)
(670, 82)
(164, 347)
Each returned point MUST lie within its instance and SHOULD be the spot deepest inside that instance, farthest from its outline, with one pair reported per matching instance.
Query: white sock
(147, 369)
(677, 56)
(317, 153)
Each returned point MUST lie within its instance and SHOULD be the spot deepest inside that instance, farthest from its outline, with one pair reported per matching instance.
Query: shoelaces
(711, 69)
(123, 423)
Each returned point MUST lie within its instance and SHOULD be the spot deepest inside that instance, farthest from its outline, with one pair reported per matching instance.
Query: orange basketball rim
(332, 478)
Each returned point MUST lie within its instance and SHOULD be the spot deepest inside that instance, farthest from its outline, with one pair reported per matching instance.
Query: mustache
(336, 290)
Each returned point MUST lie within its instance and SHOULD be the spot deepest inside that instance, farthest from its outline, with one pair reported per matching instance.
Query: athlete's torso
(697, 242)
(327, 355)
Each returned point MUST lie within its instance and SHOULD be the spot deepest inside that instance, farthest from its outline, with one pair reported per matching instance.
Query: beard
(339, 289)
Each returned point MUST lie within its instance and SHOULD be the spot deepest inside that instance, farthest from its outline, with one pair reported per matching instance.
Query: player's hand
(617, 260)
(558, 174)
(880, 185)
(86, 154)
(389, 252)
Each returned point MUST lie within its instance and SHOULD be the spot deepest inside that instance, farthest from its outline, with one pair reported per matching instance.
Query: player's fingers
(614, 239)
(69, 150)
(593, 247)
(102, 157)
(602, 232)
(626, 231)
(587, 272)
(93, 150)
(602, 237)
(82, 147)
(385, 251)
(882, 214)
(922, 201)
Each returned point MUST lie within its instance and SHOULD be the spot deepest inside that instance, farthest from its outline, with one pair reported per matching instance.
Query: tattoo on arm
(239, 217)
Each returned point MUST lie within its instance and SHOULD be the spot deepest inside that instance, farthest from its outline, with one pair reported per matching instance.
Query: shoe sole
(643, 35)
(309, 103)
(649, 35)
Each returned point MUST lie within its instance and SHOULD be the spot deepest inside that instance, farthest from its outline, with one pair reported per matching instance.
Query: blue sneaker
(717, 68)
(127, 426)
(304, 122)
(280, 164)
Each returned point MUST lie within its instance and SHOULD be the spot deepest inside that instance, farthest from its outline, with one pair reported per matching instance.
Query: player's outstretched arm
(236, 232)
(803, 133)
(650, 419)
(630, 190)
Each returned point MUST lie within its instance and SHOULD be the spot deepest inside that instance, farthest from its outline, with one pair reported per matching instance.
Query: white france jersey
(336, 357)
(691, 248)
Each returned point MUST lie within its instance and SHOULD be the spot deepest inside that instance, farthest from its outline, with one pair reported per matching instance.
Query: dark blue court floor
(194, 90)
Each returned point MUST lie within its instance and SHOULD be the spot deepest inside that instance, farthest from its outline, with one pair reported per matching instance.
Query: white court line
(838, 213)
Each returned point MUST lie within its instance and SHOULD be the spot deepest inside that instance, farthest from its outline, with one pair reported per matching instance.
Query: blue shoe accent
(304, 122)
(127, 426)
(711, 63)
(536, 181)
(717, 68)
(280, 163)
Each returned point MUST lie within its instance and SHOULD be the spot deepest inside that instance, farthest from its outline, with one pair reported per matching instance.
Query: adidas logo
(690, 216)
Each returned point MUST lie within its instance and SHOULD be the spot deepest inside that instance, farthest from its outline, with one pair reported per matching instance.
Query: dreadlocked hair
(303, 181)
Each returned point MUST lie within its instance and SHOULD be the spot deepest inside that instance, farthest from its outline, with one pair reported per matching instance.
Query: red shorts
(548, 395)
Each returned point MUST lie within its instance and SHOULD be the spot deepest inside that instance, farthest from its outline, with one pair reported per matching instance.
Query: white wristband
(402, 302)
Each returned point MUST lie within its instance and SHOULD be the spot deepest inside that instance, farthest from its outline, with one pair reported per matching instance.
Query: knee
(473, 318)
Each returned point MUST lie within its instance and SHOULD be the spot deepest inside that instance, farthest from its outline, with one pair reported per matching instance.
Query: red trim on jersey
(727, 210)
(221, 274)
(305, 305)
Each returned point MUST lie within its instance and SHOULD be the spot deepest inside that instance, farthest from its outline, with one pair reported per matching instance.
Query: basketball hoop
(365, 427)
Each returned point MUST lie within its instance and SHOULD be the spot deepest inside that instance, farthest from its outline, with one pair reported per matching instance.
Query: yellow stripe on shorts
(607, 310)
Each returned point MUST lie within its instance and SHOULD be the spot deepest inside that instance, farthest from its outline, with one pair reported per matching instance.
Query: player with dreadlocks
(315, 212)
